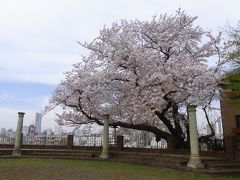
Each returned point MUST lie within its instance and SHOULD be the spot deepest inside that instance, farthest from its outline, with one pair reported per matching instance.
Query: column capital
(106, 116)
(21, 113)
(192, 107)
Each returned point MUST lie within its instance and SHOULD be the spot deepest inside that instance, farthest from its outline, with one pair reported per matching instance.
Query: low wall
(115, 149)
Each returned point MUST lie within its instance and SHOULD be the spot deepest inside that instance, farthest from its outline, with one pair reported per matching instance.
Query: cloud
(4, 97)
(38, 39)
(23, 96)
(41, 67)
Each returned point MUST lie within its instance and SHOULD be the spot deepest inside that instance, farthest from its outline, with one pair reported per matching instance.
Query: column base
(195, 162)
(104, 154)
(16, 153)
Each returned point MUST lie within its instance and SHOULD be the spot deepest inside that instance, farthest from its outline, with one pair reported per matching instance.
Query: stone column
(18, 140)
(105, 153)
(120, 142)
(194, 161)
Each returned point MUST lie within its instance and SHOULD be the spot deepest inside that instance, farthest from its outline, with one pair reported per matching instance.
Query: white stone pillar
(105, 153)
(115, 136)
(194, 161)
(18, 140)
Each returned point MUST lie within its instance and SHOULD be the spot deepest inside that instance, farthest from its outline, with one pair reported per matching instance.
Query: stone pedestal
(120, 142)
(170, 144)
(105, 153)
(194, 161)
(18, 140)
(70, 141)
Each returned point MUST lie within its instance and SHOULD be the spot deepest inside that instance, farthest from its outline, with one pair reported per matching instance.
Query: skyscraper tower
(38, 122)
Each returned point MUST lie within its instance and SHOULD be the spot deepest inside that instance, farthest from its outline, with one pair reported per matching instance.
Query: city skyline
(38, 42)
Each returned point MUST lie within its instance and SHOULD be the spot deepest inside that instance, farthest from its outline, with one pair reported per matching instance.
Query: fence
(36, 139)
(45, 139)
(96, 140)
(7, 139)
(211, 145)
(91, 140)
(143, 143)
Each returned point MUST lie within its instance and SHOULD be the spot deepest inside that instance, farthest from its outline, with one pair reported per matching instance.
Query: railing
(141, 143)
(45, 139)
(7, 139)
(91, 141)
(36, 139)
(212, 145)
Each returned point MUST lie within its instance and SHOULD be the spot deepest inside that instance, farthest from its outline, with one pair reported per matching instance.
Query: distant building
(230, 111)
(38, 122)
(49, 131)
(3, 131)
(10, 131)
(25, 130)
(31, 130)
(230, 118)
(220, 128)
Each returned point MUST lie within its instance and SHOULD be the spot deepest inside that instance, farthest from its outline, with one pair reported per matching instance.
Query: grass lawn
(36, 168)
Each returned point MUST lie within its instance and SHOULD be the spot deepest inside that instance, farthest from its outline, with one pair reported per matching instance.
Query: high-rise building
(49, 131)
(31, 130)
(38, 122)
(219, 132)
(25, 130)
(3, 131)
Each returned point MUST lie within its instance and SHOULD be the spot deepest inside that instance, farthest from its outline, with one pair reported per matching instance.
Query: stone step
(149, 159)
(218, 172)
(60, 153)
(140, 161)
(151, 155)
(177, 159)
(168, 160)
(214, 166)
(237, 137)
(57, 154)
(225, 165)
(4, 152)
(215, 161)
(62, 157)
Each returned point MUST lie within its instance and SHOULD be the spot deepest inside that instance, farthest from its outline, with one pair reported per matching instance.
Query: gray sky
(38, 41)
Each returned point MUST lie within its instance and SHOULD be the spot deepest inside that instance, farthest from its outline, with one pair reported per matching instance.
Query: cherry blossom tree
(232, 44)
(231, 53)
(144, 74)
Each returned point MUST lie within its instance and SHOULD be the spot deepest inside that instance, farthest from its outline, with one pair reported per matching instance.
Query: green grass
(36, 168)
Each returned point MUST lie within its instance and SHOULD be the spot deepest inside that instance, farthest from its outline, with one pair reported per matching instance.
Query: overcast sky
(38, 41)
